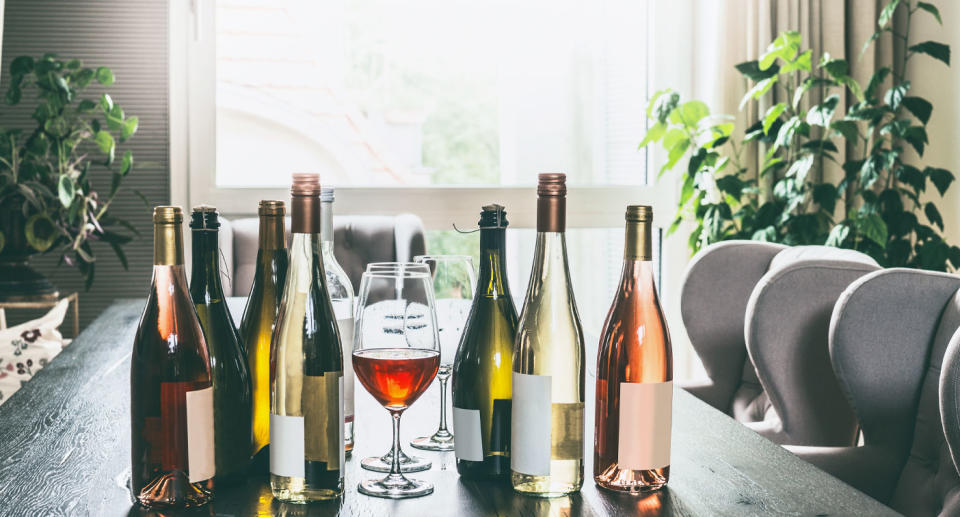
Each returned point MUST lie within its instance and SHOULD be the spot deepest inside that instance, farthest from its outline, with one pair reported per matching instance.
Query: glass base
(438, 442)
(407, 463)
(395, 487)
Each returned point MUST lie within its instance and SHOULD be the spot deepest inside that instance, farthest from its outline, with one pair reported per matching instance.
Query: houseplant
(878, 204)
(47, 199)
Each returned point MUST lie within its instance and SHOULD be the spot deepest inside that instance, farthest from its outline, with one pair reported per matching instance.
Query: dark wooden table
(65, 450)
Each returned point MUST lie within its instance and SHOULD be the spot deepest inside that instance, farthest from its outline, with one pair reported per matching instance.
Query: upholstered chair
(888, 335)
(357, 240)
(758, 315)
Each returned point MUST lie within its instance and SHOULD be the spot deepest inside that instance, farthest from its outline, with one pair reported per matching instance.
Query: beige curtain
(733, 31)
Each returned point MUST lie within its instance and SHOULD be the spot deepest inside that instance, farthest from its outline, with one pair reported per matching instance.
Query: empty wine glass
(396, 355)
(453, 281)
(382, 463)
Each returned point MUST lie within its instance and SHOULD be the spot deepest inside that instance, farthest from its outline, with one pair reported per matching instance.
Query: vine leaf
(920, 108)
(941, 178)
(933, 49)
(932, 9)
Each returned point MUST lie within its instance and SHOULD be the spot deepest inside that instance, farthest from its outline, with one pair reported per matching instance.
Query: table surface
(65, 450)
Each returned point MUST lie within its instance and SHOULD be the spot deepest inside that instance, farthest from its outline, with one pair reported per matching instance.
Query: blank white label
(345, 325)
(646, 410)
(469, 442)
(530, 421)
(200, 458)
(287, 454)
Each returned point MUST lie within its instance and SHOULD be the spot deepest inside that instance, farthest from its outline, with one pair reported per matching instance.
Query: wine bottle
(341, 296)
(546, 453)
(306, 406)
(634, 374)
(171, 388)
(257, 324)
(231, 381)
(483, 367)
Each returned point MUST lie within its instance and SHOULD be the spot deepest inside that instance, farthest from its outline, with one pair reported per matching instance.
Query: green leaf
(40, 231)
(82, 78)
(653, 101)
(835, 67)
(86, 106)
(896, 94)
(106, 144)
(801, 168)
(758, 90)
(731, 184)
(13, 96)
(689, 113)
(932, 9)
(785, 47)
(913, 177)
(772, 115)
(674, 154)
(876, 80)
(821, 114)
(21, 65)
(751, 70)
(873, 37)
(104, 76)
(887, 13)
(73, 64)
(120, 254)
(66, 190)
(837, 235)
(846, 128)
(665, 104)
(115, 118)
(654, 134)
(941, 178)
(919, 107)
(820, 146)
(933, 49)
(917, 137)
(933, 215)
(129, 127)
(127, 163)
(806, 85)
(826, 195)
(802, 63)
(106, 103)
(874, 228)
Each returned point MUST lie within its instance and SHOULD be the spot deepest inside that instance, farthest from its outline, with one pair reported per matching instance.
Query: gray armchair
(758, 315)
(358, 240)
(888, 335)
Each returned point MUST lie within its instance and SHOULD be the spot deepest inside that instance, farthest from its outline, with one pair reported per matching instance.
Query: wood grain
(65, 450)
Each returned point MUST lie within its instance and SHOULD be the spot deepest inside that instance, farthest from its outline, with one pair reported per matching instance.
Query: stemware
(453, 283)
(396, 355)
(408, 463)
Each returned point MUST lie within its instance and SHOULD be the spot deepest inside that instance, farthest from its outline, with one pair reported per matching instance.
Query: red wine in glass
(396, 377)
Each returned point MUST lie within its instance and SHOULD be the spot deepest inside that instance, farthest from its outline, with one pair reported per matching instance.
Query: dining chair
(758, 314)
(888, 336)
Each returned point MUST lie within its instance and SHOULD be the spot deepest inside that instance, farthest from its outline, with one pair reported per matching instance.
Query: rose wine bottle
(634, 374)
(231, 381)
(546, 453)
(341, 296)
(306, 406)
(483, 367)
(171, 388)
(257, 325)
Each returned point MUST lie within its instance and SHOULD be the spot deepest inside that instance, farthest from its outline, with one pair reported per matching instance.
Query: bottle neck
(551, 214)
(167, 244)
(492, 281)
(205, 275)
(638, 241)
(637, 276)
(550, 261)
(326, 223)
(272, 233)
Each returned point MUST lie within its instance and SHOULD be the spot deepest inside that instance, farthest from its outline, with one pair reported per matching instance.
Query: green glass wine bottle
(257, 324)
(231, 380)
(483, 367)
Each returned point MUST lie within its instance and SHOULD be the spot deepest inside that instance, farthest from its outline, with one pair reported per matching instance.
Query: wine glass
(453, 281)
(396, 355)
(407, 463)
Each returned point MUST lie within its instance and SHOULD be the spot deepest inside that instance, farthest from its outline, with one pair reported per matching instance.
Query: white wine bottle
(546, 453)
(306, 406)
(341, 295)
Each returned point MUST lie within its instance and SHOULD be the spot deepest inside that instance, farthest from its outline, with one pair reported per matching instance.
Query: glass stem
(395, 460)
(442, 432)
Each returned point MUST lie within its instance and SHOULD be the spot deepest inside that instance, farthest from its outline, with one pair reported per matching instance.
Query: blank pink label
(646, 411)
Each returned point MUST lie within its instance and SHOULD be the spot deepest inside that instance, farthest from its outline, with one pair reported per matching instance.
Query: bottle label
(345, 326)
(200, 457)
(646, 411)
(286, 446)
(530, 424)
(469, 443)
(323, 419)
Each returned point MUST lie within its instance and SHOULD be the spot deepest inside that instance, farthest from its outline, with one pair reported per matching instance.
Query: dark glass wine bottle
(634, 374)
(306, 406)
(231, 382)
(483, 367)
(171, 390)
(257, 324)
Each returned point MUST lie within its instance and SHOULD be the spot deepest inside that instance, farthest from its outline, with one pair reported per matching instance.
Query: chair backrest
(713, 301)
(889, 333)
(950, 412)
(786, 331)
(358, 240)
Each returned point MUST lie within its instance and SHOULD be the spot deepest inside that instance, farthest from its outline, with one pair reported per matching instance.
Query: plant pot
(19, 281)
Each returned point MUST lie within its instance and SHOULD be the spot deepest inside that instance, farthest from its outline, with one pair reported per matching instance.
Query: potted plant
(47, 200)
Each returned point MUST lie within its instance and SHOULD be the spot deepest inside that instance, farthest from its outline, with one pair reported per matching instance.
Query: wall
(131, 38)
